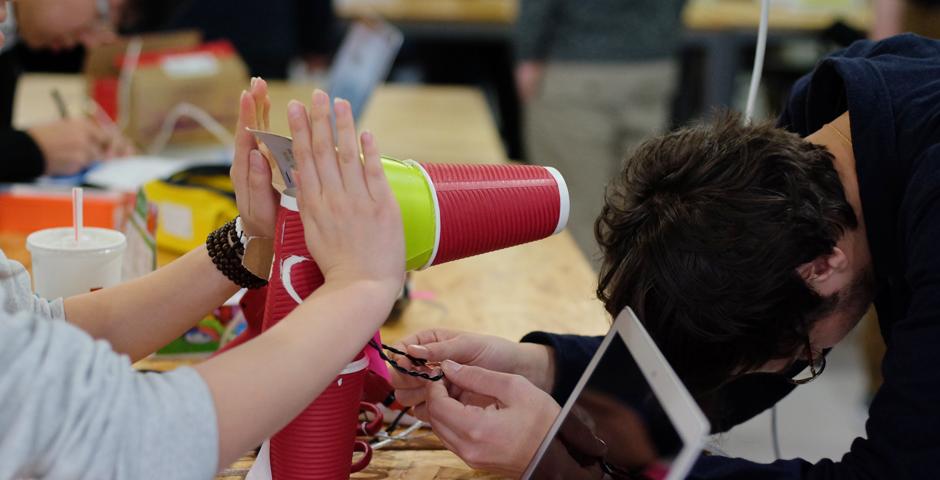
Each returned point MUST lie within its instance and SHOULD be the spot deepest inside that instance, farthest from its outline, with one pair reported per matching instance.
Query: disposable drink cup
(483, 208)
(319, 444)
(448, 212)
(63, 267)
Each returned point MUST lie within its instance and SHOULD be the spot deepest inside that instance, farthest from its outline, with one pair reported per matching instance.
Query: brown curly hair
(702, 234)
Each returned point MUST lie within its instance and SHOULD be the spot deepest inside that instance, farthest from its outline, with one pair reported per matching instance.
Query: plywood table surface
(437, 124)
(14, 247)
(784, 15)
(441, 11)
(393, 465)
(440, 124)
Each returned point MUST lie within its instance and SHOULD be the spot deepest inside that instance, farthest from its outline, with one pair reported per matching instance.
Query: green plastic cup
(418, 213)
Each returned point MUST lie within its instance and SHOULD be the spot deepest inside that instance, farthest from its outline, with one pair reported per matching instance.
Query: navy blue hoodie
(891, 90)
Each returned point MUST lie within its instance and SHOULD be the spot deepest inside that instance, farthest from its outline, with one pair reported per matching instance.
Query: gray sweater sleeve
(16, 293)
(73, 408)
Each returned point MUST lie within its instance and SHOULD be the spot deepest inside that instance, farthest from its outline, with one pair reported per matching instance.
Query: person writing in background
(73, 407)
(748, 251)
(66, 146)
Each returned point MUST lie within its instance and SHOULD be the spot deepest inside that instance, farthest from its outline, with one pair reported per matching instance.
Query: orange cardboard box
(25, 209)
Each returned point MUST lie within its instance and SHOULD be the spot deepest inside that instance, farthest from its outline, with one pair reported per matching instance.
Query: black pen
(60, 102)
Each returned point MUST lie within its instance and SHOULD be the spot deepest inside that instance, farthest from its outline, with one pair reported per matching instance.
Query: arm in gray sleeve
(73, 408)
(16, 293)
(533, 28)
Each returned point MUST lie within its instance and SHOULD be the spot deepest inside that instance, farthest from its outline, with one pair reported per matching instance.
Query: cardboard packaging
(171, 69)
(102, 69)
(191, 205)
(25, 208)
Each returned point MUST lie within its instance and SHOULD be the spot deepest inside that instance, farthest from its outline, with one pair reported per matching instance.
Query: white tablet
(628, 417)
(363, 61)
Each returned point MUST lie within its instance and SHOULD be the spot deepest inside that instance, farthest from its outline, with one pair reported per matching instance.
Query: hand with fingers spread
(534, 362)
(251, 175)
(352, 222)
(501, 437)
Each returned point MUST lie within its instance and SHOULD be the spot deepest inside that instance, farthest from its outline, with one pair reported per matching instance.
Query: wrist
(538, 365)
(383, 291)
(252, 230)
(227, 252)
(345, 277)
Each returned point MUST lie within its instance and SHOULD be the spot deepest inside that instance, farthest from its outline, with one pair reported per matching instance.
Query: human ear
(824, 269)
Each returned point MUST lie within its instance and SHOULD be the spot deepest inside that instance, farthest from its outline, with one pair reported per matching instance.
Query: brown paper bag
(171, 70)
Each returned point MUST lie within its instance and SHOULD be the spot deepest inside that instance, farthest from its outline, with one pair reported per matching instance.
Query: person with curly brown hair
(748, 252)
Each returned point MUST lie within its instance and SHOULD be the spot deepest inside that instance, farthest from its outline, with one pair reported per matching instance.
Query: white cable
(774, 433)
(748, 115)
(713, 446)
(758, 60)
(131, 58)
(405, 435)
(184, 109)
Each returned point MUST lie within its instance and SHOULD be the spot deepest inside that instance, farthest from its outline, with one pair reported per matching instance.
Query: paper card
(280, 148)
(259, 255)
(261, 469)
(140, 230)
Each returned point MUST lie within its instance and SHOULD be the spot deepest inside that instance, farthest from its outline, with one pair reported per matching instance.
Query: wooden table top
(392, 465)
(717, 15)
(14, 246)
(440, 11)
(546, 285)
(441, 124)
(698, 14)
(438, 124)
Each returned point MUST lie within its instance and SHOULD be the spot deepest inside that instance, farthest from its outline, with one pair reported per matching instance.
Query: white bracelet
(240, 231)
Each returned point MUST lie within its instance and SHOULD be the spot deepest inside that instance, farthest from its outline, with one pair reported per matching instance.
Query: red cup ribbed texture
(489, 207)
(482, 208)
(318, 444)
(305, 276)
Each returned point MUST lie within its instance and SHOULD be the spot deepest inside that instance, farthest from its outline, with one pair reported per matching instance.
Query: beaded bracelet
(227, 251)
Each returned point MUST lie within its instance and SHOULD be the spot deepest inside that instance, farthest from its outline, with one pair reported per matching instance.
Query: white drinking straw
(77, 208)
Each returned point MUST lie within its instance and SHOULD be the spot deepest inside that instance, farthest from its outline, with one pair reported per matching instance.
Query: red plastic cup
(319, 444)
(483, 208)
(294, 274)
(478, 209)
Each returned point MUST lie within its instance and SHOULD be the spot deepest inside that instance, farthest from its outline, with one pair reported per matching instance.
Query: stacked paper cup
(490, 207)
(449, 212)
(320, 442)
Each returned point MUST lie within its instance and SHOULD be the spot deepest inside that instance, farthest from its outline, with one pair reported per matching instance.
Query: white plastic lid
(61, 241)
